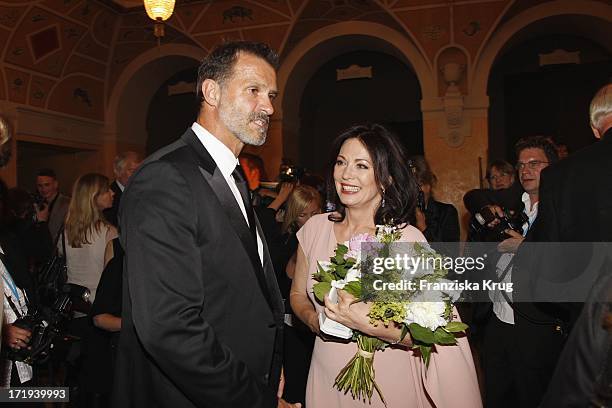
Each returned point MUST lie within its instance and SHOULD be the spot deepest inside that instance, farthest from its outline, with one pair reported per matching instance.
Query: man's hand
(42, 213)
(511, 244)
(281, 384)
(15, 337)
(495, 210)
(284, 404)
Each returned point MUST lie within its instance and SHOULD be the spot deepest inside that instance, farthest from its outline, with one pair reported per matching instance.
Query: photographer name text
(446, 286)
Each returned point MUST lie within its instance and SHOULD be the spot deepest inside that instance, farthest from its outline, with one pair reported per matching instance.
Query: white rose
(426, 314)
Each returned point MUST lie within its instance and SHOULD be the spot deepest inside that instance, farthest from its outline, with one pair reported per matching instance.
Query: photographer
(27, 222)
(47, 186)
(511, 379)
(16, 373)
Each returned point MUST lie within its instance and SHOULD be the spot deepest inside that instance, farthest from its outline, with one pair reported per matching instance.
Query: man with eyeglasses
(511, 380)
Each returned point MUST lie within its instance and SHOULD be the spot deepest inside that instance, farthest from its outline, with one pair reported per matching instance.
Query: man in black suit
(576, 207)
(124, 165)
(202, 313)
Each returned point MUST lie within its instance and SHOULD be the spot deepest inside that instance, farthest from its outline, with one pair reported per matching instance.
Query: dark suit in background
(202, 320)
(575, 206)
(58, 208)
(111, 213)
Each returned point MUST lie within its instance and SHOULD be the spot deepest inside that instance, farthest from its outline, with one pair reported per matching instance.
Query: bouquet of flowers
(425, 314)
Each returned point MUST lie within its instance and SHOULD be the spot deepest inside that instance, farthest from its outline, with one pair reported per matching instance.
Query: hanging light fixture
(159, 11)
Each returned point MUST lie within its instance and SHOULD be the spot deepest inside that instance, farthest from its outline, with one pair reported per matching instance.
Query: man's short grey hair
(119, 162)
(601, 106)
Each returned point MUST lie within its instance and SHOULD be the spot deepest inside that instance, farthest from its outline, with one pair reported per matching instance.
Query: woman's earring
(382, 202)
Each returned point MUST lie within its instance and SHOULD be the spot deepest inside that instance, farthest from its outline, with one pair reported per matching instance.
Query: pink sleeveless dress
(449, 381)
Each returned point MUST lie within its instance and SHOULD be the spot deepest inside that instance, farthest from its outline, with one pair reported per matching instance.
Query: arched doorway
(323, 46)
(549, 22)
(172, 110)
(542, 82)
(388, 93)
(141, 80)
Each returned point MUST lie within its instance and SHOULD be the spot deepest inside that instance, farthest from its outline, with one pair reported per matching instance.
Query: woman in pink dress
(373, 187)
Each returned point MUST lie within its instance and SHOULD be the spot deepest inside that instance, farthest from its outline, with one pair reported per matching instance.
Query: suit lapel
(218, 184)
(233, 212)
(268, 270)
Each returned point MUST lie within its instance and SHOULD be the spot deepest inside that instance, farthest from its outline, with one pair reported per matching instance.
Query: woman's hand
(348, 312)
(355, 316)
(15, 337)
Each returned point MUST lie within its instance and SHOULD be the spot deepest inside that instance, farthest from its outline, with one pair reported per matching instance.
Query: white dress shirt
(226, 162)
(501, 308)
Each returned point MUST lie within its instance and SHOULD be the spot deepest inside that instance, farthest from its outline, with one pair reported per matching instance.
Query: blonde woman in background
(304, 202)
(88, 237)
(87, 232)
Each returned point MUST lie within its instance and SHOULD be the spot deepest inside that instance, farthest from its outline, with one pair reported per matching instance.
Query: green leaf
(321, 289)
(341, 249)
(322, 275)
(421, 334)
(441, 336)
(341, 271)
(426, 353)
(354, 288)
(456, 327)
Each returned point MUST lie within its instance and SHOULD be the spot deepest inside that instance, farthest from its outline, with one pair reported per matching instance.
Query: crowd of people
(199, 271)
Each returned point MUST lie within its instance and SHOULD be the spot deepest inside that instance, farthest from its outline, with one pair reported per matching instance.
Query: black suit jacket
(111, 213)
(202, 319)
(575, 206)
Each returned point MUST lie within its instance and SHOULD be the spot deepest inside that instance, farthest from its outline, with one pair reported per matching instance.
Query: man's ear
(596, 132)
(211, 92)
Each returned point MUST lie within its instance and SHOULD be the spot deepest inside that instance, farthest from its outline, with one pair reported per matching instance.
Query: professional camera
(48, 325)
(290, 174)
(39, 201)
(511, 219)
(486, 224)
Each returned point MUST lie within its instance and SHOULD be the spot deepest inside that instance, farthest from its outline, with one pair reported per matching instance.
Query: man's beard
(233, 119)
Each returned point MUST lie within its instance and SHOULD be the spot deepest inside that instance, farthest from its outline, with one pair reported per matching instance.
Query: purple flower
(356, 244)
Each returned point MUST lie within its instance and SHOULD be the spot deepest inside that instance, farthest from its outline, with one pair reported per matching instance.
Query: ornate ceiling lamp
(159, 11)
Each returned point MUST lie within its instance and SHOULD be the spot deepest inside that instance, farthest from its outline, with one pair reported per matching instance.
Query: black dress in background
(100, 348)
(299, 340)
(442, 230)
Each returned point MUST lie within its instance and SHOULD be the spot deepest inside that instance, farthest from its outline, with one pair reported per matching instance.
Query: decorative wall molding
(58, 127)
(559, 56)
(353, 72)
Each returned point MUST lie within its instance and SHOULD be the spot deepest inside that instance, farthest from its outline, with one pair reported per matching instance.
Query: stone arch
(128, 103)
(328, 42)
(600, 13)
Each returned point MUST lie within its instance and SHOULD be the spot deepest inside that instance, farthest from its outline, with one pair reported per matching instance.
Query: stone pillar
(456, 164)
(8, 173)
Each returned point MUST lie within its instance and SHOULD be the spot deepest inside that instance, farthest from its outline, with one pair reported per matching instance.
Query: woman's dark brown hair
(391, 173)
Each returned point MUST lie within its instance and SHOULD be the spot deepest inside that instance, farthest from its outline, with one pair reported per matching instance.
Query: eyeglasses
(533, 164)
